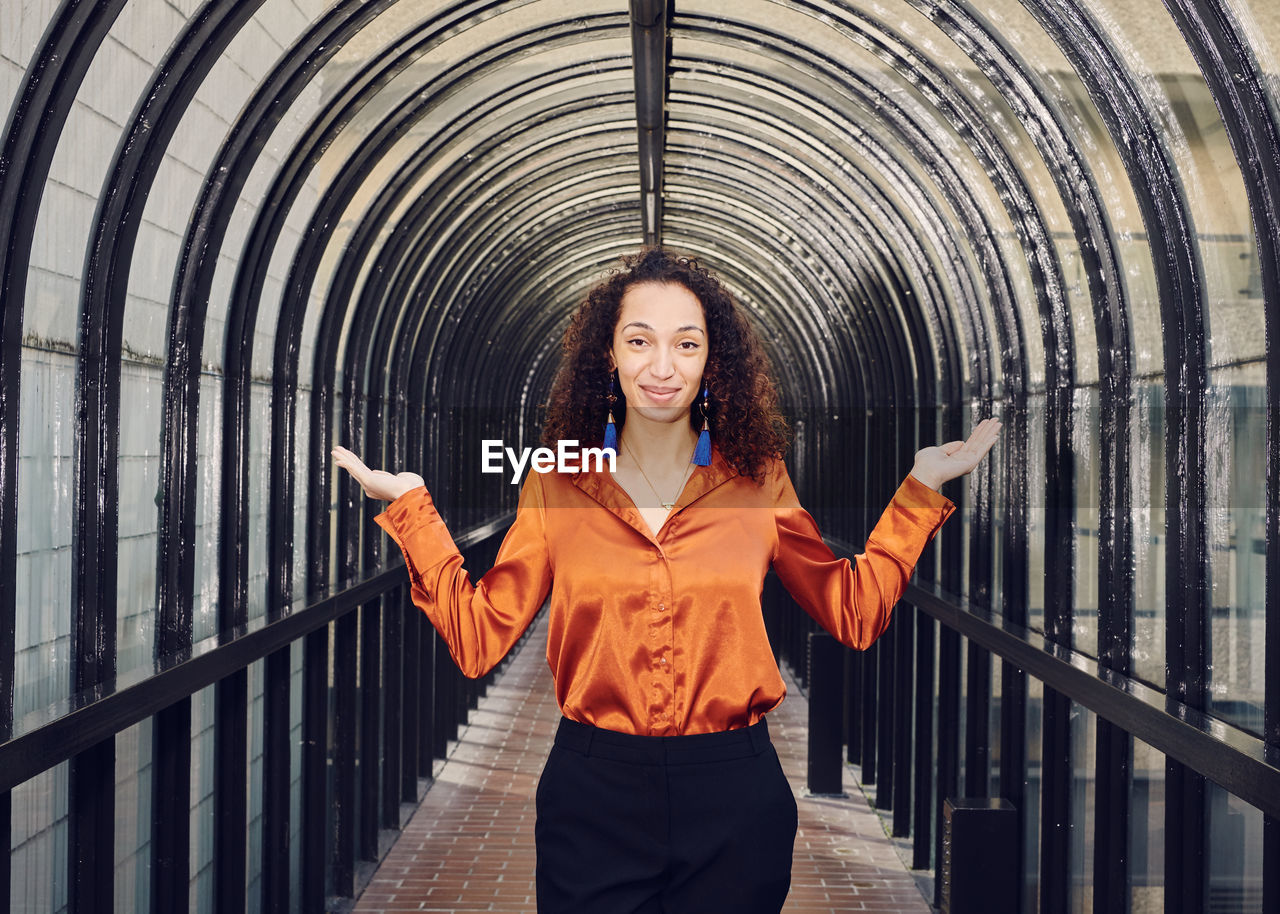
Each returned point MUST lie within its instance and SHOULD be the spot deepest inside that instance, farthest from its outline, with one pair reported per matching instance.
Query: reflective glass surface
(1084, 731)
(1236, 432)
(1234, 848)
(1146, 830)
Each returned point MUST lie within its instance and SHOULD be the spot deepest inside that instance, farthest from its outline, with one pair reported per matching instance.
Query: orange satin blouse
(659, 635)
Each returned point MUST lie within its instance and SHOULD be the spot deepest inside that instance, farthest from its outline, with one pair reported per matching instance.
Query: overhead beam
(651, 50)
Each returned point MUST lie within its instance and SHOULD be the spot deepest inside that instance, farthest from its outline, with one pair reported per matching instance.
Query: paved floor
(469, 847)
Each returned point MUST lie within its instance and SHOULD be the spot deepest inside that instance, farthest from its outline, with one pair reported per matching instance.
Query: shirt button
(662, 607)
(664, 659)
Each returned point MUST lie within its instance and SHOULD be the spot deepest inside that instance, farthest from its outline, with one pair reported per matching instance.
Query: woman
(662, 792)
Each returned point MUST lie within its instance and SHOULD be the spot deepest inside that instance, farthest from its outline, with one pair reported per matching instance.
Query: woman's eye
(636, 340)
(689, 345)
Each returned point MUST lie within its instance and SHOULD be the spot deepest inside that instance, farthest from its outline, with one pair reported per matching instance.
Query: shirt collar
(600, 485)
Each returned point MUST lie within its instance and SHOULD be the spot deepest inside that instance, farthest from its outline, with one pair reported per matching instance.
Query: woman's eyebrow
(644, 326)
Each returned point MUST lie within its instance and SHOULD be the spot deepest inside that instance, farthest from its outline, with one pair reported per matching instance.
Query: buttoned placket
(663, 708)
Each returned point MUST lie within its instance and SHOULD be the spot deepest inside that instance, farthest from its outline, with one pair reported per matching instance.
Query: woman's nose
(662, 366)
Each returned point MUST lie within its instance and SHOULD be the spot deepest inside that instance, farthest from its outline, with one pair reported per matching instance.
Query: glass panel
(301, 489)
(1259, 25)
(241, 69)
(1236, 433)
(204, 603)
(830, 144)
(46, 479)
(1234, 849)
(202, 748)
(133, 818)
(962, 726)
(142, 389)
(1000, 535)
(1036, 502)
(1146, 831)
(1147, 482)
(256, 680)
(259, 495)
(1031, 801)
(1084, 753)
(1088, 465)
(1038, 54)
(1176, 95)
(295, 777)
(993, 727)
(38, 843)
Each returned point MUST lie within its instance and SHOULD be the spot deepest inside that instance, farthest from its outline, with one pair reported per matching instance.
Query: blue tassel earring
(702, 453)
(610, 430)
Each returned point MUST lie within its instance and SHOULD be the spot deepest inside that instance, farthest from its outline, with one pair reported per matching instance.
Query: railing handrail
(109, 710)
(1235, 759)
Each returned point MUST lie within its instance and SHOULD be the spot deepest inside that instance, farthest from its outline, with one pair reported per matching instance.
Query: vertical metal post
(275, 783)
(826, 706)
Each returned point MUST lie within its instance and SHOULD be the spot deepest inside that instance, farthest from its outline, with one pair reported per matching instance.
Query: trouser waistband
(663, 750)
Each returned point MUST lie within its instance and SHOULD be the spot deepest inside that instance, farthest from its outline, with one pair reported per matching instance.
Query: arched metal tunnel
(233, 234)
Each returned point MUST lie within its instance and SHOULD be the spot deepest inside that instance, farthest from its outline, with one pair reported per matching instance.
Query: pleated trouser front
(663, 824)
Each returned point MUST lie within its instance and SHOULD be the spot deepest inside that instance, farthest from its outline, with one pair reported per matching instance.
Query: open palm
(376, 483)
(944, 462)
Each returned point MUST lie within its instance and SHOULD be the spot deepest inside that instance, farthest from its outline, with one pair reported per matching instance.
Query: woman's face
(660, 349)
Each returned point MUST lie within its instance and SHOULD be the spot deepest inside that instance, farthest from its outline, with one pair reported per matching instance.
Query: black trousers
(663, 824)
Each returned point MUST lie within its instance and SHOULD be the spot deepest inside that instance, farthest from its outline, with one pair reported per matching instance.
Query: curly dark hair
(745, 421)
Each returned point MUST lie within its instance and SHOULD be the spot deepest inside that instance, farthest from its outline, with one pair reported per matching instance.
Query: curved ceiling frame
(874, 255)
(389, 295)
(927, 213)
(1156, 183)
(856, 267)
(433, 374)
(257, 253)
(1238, 86)
(104, 294)
(43, 104)
(389, 354)
(874, 151)
(193, 281)
(590, 243)
(830, 165)
(1018, 84)
(364, 86)
(392, 260)
(846, 377)
(443, 344)
(1007, 188)
(337, 197)
(955, 107)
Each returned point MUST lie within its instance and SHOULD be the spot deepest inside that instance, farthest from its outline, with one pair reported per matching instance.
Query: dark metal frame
(408, 334)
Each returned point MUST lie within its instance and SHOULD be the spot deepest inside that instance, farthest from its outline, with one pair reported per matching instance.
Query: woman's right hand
(376, 483)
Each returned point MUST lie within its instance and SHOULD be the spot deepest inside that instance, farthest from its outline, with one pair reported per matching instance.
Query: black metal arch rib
(1237, 86)
(104, 292)
(36, 121)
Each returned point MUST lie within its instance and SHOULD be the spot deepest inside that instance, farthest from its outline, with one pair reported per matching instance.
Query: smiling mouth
(660, 393)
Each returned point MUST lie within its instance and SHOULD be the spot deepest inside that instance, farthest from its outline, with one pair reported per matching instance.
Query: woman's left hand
(936, 465)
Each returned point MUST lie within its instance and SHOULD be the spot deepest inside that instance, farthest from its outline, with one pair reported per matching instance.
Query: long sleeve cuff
(923, 506)
(417, 528)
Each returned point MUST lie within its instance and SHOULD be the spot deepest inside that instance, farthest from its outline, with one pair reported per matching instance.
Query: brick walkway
(469, 847)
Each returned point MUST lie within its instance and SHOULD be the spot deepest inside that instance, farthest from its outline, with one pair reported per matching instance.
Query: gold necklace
(666, 504)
